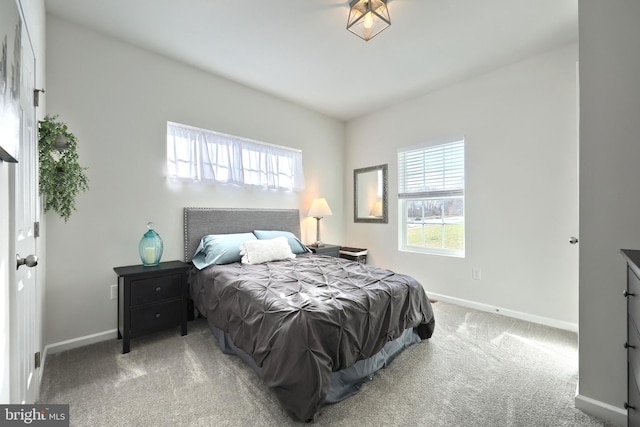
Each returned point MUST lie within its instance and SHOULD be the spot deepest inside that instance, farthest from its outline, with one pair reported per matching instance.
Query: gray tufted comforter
(301, 319)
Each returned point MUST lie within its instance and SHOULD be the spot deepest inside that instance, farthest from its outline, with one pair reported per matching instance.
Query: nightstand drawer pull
(627, 345)
(157, 315)
(628, 294)
(627, 406)
(158, 289)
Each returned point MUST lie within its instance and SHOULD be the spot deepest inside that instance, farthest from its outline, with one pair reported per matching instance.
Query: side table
(329, 250)
(151, 299)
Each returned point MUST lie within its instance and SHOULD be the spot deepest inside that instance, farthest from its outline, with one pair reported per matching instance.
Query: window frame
(246, 162)
(405, 197)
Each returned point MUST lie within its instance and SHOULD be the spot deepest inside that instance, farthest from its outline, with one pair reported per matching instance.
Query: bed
(314, 327)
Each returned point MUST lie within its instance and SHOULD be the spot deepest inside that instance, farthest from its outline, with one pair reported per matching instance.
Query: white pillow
(259, 251)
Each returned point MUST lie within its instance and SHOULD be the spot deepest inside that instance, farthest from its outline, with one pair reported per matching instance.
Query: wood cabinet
(632, 294)
(151, 299)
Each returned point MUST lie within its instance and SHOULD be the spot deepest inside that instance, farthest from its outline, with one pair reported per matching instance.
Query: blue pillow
(297, 247)
(220, 249)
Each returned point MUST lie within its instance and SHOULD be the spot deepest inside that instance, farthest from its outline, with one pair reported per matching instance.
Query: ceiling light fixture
(367, 18)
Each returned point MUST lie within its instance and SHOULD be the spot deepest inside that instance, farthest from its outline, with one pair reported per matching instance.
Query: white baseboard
(554, 323)
(71, 344)
(78, 342)
(610, 413)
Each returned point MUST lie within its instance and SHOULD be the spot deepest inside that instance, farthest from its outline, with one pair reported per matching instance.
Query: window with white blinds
(431, 183)
(195, 154)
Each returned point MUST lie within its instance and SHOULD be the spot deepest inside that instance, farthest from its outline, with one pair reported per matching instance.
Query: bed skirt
(346, 382)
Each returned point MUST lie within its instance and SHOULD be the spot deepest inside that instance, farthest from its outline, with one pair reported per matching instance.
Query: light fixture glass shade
(319, 208)
(367, 18)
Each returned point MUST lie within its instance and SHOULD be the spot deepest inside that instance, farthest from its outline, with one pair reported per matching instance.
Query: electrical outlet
(114, 291)
(476, 273)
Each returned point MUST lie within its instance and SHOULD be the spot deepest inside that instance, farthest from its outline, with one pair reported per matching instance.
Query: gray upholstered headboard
(199, 222)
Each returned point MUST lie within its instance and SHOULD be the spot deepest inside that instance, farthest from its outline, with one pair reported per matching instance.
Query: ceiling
(300, 50)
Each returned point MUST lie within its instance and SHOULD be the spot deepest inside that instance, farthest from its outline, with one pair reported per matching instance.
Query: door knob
(29, 261)
(573, 240)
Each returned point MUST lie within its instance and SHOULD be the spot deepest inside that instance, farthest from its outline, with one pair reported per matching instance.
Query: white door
(25, 309)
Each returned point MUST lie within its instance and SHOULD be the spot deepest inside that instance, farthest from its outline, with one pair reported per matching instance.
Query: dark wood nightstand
(329, 250)
(151, 299)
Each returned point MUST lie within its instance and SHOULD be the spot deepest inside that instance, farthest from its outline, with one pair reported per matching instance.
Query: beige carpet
(478, 369)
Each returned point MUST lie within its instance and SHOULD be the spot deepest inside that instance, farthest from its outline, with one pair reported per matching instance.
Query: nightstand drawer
(145, 291)
(633, 300)
(155, 317)
(633, 341)
(633, 396)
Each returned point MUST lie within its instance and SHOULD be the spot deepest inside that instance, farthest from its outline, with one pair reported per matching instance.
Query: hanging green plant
(61, 176)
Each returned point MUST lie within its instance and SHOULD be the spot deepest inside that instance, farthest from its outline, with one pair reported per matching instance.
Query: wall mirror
(370, 194)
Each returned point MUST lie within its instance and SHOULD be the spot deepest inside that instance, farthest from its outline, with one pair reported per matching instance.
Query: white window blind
(431, 171)
(195, 154)
(431, 187)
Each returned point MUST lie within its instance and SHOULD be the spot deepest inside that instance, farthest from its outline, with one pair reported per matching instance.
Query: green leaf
(62, 178)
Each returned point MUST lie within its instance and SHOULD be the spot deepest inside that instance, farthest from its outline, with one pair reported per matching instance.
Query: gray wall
(520, 124)
(609, 178)
(117, 99)
(108, 93)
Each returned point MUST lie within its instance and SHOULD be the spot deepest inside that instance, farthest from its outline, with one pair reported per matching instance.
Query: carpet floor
(478, 369)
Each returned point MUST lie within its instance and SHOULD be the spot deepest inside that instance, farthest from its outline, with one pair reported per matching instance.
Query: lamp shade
(319, 208)
(367, 18)
(376, 209)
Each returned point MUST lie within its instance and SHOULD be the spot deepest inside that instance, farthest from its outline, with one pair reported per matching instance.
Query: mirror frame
(385, 203)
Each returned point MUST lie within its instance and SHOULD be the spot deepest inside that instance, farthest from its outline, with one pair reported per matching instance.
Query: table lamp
(319, 209)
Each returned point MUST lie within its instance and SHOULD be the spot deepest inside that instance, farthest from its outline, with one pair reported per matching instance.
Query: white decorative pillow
(260, 251)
